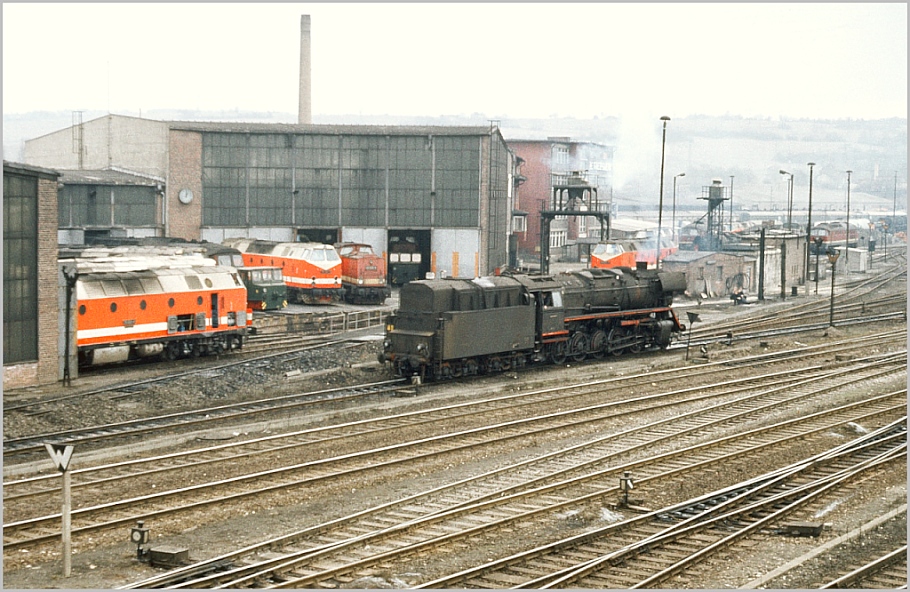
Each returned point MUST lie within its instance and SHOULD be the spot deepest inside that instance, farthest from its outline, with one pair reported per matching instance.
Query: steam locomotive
(450, 328)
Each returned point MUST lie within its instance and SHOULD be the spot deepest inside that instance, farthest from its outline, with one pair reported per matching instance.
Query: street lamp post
(660, 207)
(789, 199)
(731, 203)
(674, 203)
(808, 225)
(847, 241)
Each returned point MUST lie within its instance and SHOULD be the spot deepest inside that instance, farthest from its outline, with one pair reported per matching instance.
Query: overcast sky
(812, 60)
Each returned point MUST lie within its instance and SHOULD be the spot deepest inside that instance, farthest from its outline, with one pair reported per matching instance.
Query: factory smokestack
(305, 111)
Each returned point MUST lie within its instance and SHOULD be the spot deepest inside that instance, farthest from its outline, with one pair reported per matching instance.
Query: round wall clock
(185, 196)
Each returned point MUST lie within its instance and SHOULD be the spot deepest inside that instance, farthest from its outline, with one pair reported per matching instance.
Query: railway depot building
(444, 193)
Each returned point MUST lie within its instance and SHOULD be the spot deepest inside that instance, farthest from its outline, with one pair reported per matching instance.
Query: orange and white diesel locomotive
(130, 307)
(312, 271)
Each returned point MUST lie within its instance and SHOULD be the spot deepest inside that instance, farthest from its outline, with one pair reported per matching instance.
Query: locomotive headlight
(386, 344)
(360, 281)
(422, 349)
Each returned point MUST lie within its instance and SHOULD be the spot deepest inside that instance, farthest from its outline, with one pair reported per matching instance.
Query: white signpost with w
(62, 454)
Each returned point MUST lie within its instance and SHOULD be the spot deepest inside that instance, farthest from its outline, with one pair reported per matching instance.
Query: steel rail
(184, 418)
(256, 477)
(657, 376)
(692, 508)
(893, 558)
(497, 497)
(286, 580)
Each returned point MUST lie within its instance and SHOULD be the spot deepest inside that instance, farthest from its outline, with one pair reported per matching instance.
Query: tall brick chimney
(305, 110)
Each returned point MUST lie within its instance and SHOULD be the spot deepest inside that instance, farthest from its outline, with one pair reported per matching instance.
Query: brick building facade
(551, 162)
(30, 276)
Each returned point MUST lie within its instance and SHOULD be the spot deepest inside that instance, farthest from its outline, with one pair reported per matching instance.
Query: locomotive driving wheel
(638, 342)
(557, 352)
(578, 347)
(598, 344)
(171, 351)
(614, 341)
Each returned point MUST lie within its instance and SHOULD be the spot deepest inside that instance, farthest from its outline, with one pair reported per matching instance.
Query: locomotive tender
(451, 328)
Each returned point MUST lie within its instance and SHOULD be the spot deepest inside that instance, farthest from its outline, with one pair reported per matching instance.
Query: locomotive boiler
(449, 328)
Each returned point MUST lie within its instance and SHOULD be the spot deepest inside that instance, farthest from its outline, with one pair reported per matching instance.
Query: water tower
(716, 195)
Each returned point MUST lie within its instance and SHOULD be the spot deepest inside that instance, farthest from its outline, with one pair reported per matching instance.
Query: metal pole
(847, 240)
(789, 198)
(761, 265)
(831, 316)
(67, 525)
(808, 226)
(818, 248)
(674, 204)
(731, 203)
(893, 213)
(660, 207)
(790, 205)
(783, 269)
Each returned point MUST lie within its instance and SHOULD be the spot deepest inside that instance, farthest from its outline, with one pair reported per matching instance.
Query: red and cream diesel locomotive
(312, 271)
(363, 274)
(131, 307)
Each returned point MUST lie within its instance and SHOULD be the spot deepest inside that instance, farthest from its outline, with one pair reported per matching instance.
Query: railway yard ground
(864, 519)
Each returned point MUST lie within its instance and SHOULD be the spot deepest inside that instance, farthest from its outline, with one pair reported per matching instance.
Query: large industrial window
(224, 179)
(20, 269)
(134, 205)
(364, 160)
(410, 180)
(311, 180)
(458, 181)
(270, 179)
(85, 205)
(316, 163)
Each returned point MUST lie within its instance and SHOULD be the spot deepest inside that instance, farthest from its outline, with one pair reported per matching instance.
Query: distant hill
(752, 151)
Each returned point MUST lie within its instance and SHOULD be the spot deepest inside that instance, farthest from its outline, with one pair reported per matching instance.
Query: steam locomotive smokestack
(305, 112)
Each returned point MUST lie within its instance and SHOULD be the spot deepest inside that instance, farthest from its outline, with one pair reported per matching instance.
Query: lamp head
(783, 172)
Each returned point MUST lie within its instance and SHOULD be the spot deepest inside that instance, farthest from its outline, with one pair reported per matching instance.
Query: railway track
(200, 367)
(506, 508)
(14, 449)
(13, 489)
(647, 440)
(24, 492)
(886, 572)
(852, 303)
(670, 541)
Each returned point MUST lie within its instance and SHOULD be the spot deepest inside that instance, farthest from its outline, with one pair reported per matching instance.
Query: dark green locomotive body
(451, 327)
